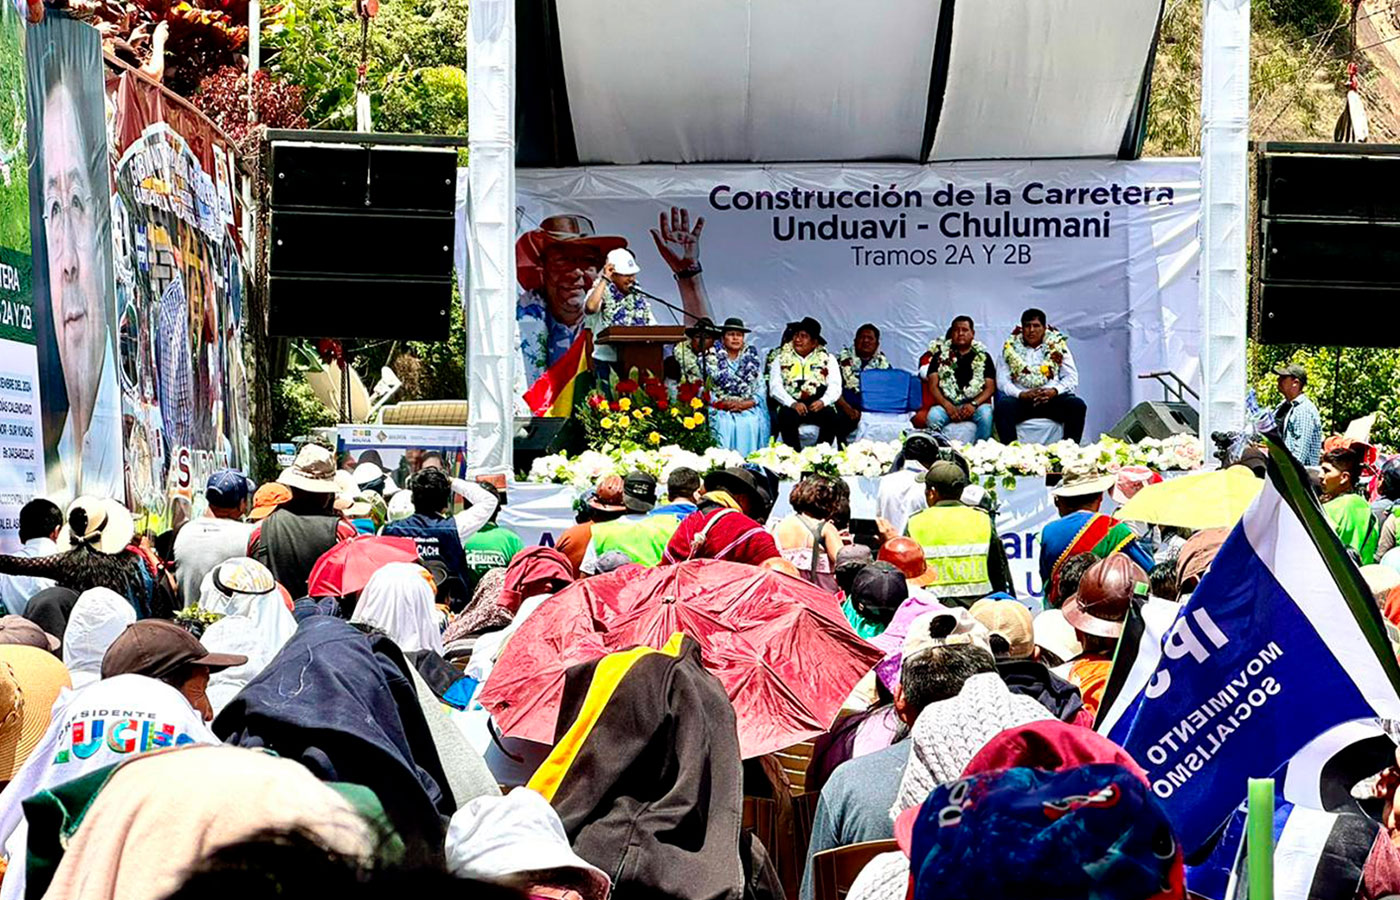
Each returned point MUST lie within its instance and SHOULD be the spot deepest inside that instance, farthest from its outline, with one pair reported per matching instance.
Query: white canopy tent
(562, 83)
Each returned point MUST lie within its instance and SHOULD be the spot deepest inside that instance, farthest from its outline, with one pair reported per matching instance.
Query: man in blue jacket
(439, 536)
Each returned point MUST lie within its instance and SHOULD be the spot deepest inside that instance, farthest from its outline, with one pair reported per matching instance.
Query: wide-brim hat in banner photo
(98, 522)
(574, 230)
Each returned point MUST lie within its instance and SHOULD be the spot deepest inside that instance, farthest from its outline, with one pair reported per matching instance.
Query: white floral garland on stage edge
(1056, 346)
(991, 462)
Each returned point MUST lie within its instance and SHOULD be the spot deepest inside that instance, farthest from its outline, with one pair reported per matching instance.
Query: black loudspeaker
(543, 437)
(1156, 419)
(360, 235)
(1327, 240)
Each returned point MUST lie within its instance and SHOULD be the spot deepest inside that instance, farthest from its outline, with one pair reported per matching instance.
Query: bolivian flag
(552, 394)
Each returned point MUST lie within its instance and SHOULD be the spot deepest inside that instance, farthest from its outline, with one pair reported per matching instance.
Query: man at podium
(614, 300)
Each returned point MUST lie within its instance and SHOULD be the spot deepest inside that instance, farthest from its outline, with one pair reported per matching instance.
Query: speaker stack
(1327, 244)
(360, 235)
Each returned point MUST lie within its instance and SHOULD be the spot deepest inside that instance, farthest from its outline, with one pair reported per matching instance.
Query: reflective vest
(437, 539)
(955, 541)
(644, 541)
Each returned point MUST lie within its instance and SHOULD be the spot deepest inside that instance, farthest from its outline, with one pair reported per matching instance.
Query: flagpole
(1259, 837)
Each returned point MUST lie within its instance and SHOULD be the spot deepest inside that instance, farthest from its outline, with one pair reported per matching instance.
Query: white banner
(1108, 249)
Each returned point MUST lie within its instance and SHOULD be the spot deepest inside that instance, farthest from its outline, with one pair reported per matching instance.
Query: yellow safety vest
(955, 541)
(645, 540)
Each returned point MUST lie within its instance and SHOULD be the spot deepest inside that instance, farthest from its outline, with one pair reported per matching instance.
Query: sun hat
(313, 471)
(607, 496)
(623, 262)
(1054, 634)
(1089, 831)
(907, 555)
(505, 839)
(1010, 620)
(943, 628)
(155, 648)
(17, 630)
(1132, 479)
(98, 522)
(267, 498)
(1105, 593)
(30, 681)
(243, 575)
(367, 473)
(227, 488)
(555, 231)
(1082, 485)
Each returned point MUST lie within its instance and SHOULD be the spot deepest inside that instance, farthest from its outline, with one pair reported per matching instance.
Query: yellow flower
(1045, 370)
(607, 422)
(696, 403)
(624, 420)
(624, 404)
(646, 410)
(699, 418)
(654, 438)
(675, 412)
(689, 423)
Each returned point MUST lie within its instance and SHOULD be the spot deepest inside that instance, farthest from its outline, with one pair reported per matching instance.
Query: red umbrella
(346, 567)
(781, 647)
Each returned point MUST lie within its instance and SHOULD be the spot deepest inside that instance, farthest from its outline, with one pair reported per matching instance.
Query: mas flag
(1280, 643)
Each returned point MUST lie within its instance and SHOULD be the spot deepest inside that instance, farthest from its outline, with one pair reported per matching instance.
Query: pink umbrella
(347, 567)
(781, 647)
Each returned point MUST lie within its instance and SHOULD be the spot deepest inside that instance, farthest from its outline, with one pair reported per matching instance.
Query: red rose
(688, 392)
(656, 392)
(662, 404)
(627, 386)
(615, 406)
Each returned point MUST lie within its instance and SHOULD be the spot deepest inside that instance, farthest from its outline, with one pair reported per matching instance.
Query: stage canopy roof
(685, 81)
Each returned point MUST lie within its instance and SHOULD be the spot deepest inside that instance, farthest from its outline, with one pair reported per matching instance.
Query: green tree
(417, 63)
(1346, 383)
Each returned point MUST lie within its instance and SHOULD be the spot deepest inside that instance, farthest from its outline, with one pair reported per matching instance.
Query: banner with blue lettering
(1281, 642)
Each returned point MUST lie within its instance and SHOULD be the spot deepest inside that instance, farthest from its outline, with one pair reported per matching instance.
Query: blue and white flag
(1281, 642)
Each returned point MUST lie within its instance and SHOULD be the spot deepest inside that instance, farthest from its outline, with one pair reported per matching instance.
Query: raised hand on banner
(677, 242)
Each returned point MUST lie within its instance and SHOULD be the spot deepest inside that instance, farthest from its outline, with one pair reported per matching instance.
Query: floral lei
(945, 363)
(795, 370)
(734, 379)
(1056, 346)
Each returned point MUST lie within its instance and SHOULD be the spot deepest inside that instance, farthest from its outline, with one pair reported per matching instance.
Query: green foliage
(417, 63)
(1345, 383)
(14, 179)
(296, 411)
(1308, 16)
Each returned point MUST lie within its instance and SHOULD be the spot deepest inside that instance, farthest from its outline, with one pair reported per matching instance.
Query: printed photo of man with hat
(558, 263)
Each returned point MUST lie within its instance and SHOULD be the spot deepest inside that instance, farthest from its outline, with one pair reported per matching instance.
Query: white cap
(497, 839)
(623, 262)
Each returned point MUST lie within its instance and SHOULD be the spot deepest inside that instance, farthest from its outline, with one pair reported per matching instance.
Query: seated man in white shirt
(805, 380)
(1040, 380)
(39, 524)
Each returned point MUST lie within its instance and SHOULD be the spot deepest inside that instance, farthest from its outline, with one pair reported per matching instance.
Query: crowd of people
(287, 690)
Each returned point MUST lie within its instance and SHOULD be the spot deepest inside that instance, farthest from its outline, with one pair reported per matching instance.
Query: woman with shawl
(399, 601)
(740, 414)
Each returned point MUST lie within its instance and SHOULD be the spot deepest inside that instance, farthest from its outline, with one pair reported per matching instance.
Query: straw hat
(313, 471)
(1083, 485)
(30, 681)
(98, 522)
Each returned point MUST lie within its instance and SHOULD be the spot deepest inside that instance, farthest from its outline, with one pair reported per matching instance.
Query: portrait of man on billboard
(74, 292)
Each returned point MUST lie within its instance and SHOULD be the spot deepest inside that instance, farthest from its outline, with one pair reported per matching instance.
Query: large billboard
(1108, 249)
(74, 308)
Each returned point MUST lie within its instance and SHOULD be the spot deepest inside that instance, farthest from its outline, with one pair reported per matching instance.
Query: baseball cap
(155, 648)
(1090, 831)
(946, 474)
(227, 488)
(878, 590)
(266, 500)
(1292, 370)
(20, 631)
(639, 492)
(1009, 620)
(30, 681)
(623, 262)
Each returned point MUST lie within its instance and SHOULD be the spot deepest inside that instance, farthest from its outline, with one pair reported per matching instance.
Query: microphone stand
(666, 303)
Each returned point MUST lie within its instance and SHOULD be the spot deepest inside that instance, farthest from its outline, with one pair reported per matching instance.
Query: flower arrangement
(992, 463)
(1021, 372)
(643, 414)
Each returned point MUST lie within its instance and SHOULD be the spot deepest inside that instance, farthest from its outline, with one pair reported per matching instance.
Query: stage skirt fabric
(743, 432)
